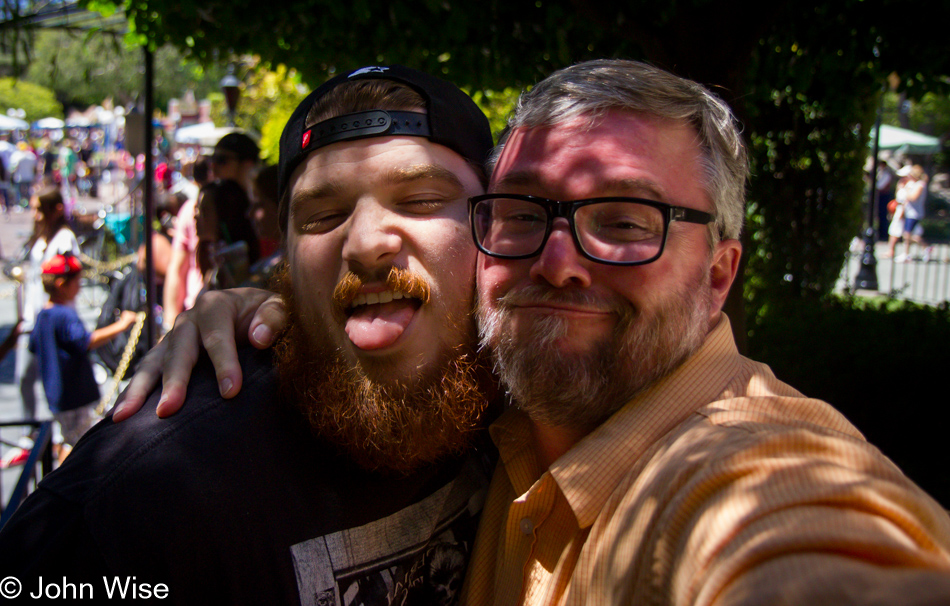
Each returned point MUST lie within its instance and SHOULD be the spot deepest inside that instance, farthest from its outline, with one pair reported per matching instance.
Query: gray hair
(593, 87)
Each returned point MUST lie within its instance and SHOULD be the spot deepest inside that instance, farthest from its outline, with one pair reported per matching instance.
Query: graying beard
(583, 391)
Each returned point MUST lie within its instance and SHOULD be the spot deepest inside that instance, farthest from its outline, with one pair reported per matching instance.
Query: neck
(552, 442)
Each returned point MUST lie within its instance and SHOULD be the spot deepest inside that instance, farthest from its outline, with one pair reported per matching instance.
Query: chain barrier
(97, 268)
(124, 362)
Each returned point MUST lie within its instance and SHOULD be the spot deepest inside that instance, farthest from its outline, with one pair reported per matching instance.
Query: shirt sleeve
(184, 227)
(753, 514)
(73, 333)
(64, 241)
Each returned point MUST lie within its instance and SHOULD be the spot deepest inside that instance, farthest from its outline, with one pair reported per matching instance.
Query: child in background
(61, 344)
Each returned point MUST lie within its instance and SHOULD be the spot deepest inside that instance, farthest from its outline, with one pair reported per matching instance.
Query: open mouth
(373, 298)
(377, 320)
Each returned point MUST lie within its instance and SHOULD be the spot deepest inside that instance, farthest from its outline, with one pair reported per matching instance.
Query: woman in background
(227, 244)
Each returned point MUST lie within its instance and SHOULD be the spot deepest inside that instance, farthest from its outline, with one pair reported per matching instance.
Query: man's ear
(722, 272)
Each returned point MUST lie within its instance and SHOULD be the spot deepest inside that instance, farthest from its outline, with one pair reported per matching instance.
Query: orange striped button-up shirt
(718, 485)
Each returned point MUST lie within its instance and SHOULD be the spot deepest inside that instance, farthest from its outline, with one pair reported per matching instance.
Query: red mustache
(398, 279)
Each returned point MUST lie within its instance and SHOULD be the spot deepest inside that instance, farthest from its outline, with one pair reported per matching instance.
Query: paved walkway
(926, 282)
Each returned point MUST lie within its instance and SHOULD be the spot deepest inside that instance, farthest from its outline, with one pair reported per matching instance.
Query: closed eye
(324, 221)
(424, 205)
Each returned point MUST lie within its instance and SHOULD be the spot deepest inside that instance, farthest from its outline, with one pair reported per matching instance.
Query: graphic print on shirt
(415, 556)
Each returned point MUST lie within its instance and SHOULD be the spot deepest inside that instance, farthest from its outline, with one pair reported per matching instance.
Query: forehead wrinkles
(614, 153)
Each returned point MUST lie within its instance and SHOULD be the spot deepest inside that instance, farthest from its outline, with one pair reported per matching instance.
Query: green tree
(268, 97)
(37, 101)
(809, 142)
(930, 114)
(85, 68)
(802, 78)
(497, 105)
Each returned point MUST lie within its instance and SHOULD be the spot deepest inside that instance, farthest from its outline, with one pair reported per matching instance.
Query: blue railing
(41, 458)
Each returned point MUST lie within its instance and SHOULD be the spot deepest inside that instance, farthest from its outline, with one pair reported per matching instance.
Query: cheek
(447, 251)
(494, 278)
(314, 272)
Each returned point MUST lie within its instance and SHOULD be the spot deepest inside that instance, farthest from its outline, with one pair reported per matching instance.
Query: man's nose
(560, 264)
(373, 238)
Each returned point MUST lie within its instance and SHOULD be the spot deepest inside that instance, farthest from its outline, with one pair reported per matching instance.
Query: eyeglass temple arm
(690, 215)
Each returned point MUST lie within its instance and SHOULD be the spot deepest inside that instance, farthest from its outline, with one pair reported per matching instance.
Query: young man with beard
(645, 460)
(353, 472)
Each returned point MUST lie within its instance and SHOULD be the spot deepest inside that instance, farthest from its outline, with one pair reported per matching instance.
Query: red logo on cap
(306, 140)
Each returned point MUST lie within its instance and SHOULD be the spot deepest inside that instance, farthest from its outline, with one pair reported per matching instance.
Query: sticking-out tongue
(378, 326)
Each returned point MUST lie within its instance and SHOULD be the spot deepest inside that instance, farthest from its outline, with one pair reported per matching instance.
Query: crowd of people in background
(75, 163)
(215, 226)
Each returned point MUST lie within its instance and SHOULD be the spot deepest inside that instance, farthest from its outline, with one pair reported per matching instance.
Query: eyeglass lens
(614, 231)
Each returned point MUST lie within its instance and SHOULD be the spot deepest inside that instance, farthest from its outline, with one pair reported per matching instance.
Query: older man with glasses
(643, 460)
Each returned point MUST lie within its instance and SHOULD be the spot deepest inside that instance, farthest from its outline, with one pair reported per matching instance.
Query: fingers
(222, 319)
(268, 321)
(181, 354)
(217, 336)
(146, 377)
(214, 321)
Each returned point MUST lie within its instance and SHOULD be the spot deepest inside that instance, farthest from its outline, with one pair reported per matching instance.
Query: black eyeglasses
(614, 231)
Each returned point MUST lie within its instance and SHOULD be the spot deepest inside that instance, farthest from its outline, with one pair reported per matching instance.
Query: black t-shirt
(235, 501)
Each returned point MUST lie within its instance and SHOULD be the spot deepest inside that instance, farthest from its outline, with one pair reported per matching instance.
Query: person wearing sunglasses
(236, 157)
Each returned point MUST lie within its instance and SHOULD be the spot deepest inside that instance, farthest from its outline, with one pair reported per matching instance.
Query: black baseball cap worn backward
(452, 119)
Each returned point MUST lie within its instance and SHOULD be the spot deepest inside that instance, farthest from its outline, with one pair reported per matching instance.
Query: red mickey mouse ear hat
(62, 265)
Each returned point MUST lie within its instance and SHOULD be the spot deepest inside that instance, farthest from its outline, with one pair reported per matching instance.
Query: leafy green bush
(37, 101)
(882, 363)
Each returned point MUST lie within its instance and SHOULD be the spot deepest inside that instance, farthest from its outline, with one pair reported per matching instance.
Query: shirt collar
(616, 445)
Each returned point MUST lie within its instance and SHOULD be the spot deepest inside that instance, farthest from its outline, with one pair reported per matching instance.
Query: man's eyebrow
(514, 179)
(420, 172)
(324, 190)
(638, 188)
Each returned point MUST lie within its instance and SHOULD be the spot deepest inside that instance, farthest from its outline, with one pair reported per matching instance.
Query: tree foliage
(486, 45)
(809, 142)
(804, 80)
(930, 114)
(37, 101)
(268, 97)
(84, 69)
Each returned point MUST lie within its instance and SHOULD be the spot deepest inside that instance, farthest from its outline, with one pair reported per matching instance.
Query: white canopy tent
(205, 135)
(49, 123)
(903, 141)
(7, 123)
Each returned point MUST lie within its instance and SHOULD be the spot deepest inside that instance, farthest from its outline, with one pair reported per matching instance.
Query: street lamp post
(867, 273)
(229, 84)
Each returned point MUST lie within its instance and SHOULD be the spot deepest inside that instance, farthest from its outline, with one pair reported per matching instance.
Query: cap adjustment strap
(359, 125)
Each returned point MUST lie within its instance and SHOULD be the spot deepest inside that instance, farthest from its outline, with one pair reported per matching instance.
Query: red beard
(393, 426)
